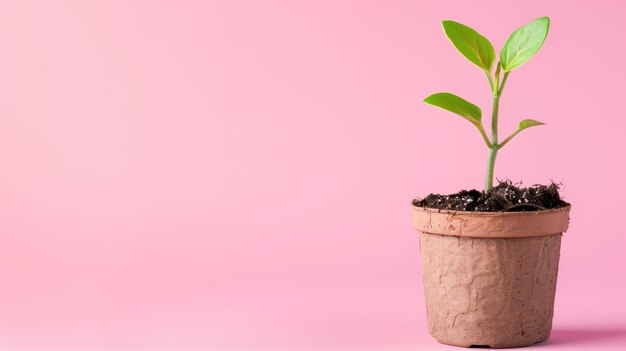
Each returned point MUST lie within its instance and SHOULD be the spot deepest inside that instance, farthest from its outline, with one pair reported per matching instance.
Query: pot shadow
(585, 335)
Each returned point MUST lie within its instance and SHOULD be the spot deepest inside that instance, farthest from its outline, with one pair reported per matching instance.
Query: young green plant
(518, 48)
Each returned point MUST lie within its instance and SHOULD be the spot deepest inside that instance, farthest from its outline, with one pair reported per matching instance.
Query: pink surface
(237, 175)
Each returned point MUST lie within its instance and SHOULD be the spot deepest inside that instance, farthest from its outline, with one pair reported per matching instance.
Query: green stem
(494, 119)
(498, 67)
(494, 146)
(490, 168)
(501, 145)
(506, 75)
(484, 134)
(493, 150)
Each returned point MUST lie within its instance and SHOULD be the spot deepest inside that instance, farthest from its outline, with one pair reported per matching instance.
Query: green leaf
(455, 104)
(471, 44)
(527, 123)
(524, 43)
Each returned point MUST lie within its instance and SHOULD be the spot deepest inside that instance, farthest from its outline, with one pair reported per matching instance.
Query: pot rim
(494, 225)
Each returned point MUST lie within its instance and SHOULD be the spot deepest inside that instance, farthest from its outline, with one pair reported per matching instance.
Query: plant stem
(501, 145)
(484, 134)
(490, 168)
(493, 150)
(506, 75)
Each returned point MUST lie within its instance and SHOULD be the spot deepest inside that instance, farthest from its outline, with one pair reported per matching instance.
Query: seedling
(518, 48)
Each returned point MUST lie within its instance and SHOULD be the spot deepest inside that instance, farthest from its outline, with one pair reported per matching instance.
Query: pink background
(237, 174)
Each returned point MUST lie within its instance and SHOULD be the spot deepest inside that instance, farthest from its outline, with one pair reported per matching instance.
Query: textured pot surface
(490, 290)
(491, 224)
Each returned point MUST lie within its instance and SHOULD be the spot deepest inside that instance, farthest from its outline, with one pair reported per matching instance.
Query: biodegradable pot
(490, 277)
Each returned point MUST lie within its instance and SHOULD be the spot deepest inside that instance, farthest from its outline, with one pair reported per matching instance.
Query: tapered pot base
(490, 292)
(489, 346)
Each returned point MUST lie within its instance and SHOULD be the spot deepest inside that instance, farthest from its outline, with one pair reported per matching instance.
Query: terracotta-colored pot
(490, 277)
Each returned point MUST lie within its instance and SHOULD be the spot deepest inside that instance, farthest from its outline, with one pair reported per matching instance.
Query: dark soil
(504, 197)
